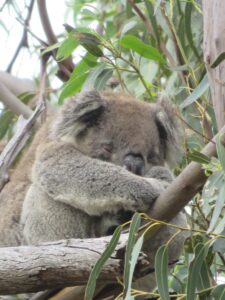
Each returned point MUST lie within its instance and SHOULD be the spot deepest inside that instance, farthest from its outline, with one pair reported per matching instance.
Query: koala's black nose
(134, 163)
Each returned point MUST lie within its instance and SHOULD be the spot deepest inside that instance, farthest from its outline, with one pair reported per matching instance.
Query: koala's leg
(91, 185)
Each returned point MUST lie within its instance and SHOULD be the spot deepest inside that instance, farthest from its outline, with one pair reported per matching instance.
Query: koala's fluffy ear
(79, 113)
(169, 129)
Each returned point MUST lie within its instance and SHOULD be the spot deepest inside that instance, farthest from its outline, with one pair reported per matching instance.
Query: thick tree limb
(61, 263)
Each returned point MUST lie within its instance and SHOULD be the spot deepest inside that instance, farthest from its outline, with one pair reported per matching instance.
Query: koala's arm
(91, 185)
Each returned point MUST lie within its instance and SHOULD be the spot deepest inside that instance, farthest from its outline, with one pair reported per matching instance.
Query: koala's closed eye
(106, 151)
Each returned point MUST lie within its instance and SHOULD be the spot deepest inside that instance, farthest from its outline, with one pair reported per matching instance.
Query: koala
(99, 159)
(103, 158)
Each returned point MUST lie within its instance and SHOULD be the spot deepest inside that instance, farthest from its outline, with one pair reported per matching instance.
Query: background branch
(66, 66)
(24, 131)
(23, 42)
(17, 85)
(11, 101)
(15, 145)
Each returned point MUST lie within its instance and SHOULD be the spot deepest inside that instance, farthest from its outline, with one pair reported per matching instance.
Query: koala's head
(120, 129)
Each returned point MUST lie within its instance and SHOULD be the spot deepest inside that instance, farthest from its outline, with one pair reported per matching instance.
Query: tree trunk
(214, 45)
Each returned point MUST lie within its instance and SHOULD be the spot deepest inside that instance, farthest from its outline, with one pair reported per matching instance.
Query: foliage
(146, 47)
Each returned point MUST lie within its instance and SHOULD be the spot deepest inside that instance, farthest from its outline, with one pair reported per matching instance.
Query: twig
(174, 37)
(23, 41)
(46, 22)
(66, 66)
(43, 43)
(194, 130)
(142, 17)
(3, 5)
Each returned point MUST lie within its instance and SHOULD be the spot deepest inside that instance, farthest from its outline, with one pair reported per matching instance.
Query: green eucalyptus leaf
(219, 245)
(51, 48)
(198, 157)
(219, 228)
(220, 151)
(201, 252)
(100, 82)
(90, 42)
(72, 87)
(91, 284)
(204, 280)
(134, 257)
(78, 77)
(6, 119)
(135, 224)
(129, 25)
(98, 77)
(218, 60)
(218, 293)
(66, 48)
(151, 14)
(161, 270)
(188, 28)
(219, 203)
(197, 93)
(147, 51)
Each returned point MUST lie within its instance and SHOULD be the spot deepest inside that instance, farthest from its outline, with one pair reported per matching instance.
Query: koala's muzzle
(134, 163)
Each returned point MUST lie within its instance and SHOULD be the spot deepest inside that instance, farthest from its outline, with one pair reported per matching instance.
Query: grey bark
(63, 263)
(213, 46)
(16, 143)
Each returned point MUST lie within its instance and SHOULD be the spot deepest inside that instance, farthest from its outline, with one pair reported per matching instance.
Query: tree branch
(10, 100)
(17, 85)
(24, 131)
(15, 145)
(66, 66)
(61, 263)
(3, 5)
(23, 41)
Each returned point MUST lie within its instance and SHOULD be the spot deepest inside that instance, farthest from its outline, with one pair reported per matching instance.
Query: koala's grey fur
(99, 159)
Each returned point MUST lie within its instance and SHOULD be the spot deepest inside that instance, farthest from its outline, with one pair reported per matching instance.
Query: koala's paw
(161, 173)
(143, 195)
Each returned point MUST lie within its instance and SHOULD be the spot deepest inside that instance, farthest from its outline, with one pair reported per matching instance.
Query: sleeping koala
(103, 159)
